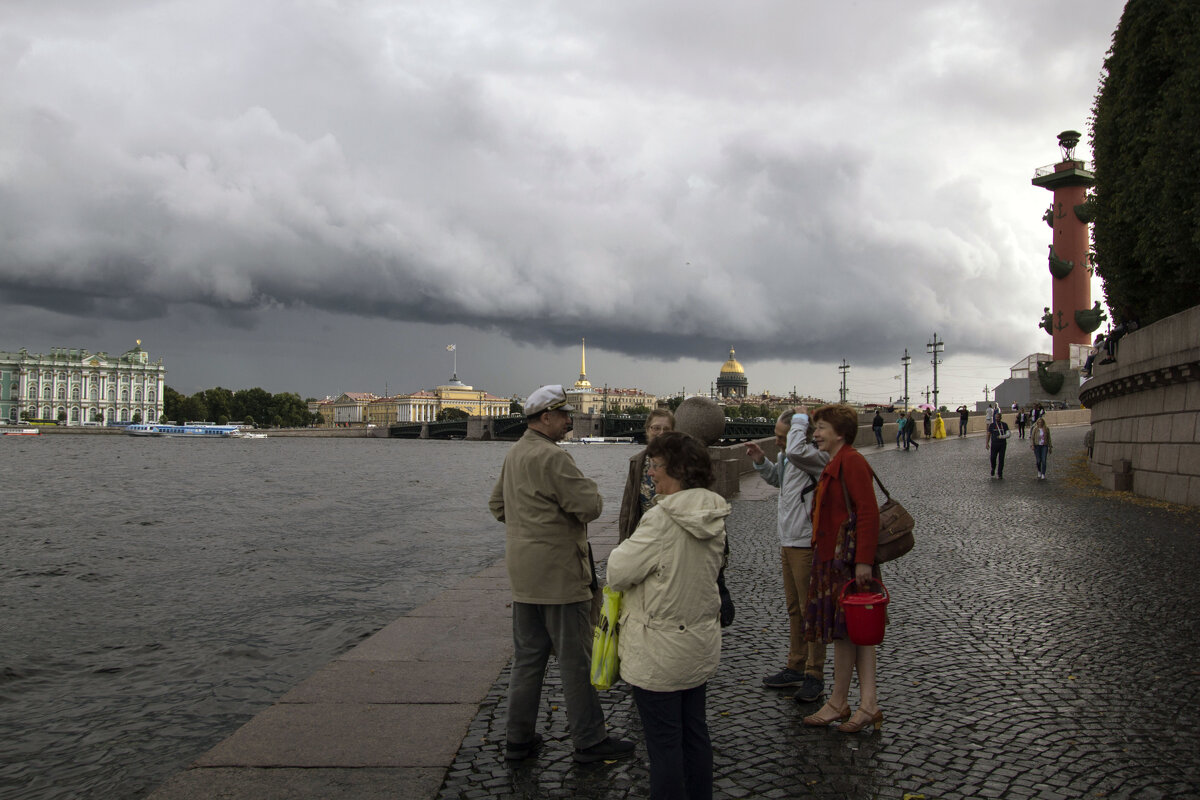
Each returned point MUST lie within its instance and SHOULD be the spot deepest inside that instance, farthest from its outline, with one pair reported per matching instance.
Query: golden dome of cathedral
(732, 365)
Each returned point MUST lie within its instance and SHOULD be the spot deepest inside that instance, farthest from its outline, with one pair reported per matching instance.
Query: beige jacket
(670, 635)
(545, 503)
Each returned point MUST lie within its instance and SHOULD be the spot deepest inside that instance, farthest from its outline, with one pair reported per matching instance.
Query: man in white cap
(545, 503)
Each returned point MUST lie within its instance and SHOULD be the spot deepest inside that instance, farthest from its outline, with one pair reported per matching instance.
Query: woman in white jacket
(670, 640)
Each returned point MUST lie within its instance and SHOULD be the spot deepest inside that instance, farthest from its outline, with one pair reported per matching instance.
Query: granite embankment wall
(1146, 412)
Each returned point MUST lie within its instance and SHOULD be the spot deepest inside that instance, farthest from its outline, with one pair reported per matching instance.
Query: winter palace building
(77, 387)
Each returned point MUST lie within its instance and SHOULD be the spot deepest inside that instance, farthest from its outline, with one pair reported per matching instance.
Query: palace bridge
(511, 428)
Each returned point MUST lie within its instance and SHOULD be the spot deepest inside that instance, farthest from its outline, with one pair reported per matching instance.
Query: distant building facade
(364, 408)
(590, 400)
(76, 386)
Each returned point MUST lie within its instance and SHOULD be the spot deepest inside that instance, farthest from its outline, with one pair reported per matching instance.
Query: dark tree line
(1145, 140)
(248, 406)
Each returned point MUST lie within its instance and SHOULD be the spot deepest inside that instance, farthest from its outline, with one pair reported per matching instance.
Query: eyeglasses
(655, 465)
(659, 428)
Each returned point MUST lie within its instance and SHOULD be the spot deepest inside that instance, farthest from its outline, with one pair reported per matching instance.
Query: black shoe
(810, 691)
(785, 679)
(608, 750)
(520, 752)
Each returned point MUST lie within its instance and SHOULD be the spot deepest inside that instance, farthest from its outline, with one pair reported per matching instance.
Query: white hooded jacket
(670, 634)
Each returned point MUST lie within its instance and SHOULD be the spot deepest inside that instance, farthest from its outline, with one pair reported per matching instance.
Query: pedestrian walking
(670, 642)
(1040, 442)
(877, 428)
(996, 443)
(910, 430)
(1022, 421)
(799, 466)
(843, 553)
(939, 427)
(545, 503)
(901, 422)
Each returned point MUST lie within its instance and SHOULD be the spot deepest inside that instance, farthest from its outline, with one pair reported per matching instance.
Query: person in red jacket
(844, 541)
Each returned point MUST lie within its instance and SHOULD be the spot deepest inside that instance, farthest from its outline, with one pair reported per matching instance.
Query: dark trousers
(998, 449)
(681, 759)
(962, 427)
(878, 436)
(908, 438)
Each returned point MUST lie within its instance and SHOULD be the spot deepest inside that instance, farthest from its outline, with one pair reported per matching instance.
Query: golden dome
(732, 365)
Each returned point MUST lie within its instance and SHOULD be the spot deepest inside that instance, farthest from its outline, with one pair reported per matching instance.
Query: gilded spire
(583, 382)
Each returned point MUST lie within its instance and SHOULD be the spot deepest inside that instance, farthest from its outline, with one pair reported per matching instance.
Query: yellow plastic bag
(606, 666)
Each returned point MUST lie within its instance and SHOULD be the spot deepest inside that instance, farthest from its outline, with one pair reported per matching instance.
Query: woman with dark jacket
(639, 489)
(842, 553)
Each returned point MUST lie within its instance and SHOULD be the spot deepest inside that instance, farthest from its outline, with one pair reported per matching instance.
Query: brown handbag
(895, 525)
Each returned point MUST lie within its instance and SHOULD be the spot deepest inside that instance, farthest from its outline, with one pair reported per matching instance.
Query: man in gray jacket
(545, 503)
(799, 466)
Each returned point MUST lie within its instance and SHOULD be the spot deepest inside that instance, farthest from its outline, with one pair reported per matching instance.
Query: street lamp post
(906, 361)
(935, 347)
(844, 368)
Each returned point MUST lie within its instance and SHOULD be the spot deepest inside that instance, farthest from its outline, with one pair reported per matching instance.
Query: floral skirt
(824, 618)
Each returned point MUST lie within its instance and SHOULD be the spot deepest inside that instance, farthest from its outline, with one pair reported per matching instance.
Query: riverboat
(194, 430)
(606, 440)
(24, 432)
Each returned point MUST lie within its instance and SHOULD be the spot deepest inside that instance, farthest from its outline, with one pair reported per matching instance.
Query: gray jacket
(798, 467)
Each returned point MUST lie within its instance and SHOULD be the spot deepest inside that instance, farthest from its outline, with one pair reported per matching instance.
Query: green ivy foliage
(1145, 141)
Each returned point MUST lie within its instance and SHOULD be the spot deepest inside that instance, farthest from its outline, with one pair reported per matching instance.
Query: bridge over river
(512, 427)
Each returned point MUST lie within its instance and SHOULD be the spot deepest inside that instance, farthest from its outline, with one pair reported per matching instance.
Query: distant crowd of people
(669, 565)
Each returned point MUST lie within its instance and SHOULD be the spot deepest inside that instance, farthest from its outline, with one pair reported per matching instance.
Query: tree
(137, 417)
(515, 408)
(638, 410)
(251, 404)
(451, 413)
(1145, 134)
(292, 410)
(192, 409)
(171, 402)
(731, 412)
(674, 403)
(62, 415)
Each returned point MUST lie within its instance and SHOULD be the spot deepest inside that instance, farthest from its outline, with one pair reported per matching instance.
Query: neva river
(157, 593)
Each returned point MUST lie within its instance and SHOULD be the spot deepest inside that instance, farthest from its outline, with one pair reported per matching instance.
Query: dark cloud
(667, 181)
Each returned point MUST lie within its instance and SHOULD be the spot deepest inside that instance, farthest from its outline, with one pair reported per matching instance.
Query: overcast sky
(319, 195)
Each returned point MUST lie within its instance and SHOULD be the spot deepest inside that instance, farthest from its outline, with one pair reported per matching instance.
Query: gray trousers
(568, 630)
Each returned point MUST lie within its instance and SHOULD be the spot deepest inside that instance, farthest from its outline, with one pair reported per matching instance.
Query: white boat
(248, 435)
(606, 440)
(24, 432)
(194, 430)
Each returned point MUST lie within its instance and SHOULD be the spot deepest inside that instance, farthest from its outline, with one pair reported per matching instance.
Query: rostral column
(1072, 317)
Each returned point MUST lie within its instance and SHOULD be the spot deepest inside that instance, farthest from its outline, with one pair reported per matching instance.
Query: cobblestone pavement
(1043, 644)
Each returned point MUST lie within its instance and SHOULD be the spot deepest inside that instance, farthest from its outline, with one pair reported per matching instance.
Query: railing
(1050, 169)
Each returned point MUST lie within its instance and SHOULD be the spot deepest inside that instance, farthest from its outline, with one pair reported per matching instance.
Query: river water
(157, 593)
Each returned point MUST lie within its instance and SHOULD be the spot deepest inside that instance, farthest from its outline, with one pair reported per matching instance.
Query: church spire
(583, 382)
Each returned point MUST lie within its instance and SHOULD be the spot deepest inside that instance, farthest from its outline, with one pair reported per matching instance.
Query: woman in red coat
(842, 553)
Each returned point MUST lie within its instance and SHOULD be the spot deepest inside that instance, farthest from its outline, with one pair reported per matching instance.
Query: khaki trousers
(806, 657)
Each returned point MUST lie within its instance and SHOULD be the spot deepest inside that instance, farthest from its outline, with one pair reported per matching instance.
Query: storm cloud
(665, 179)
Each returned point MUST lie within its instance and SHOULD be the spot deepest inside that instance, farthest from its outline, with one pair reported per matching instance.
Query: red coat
(830, 507)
